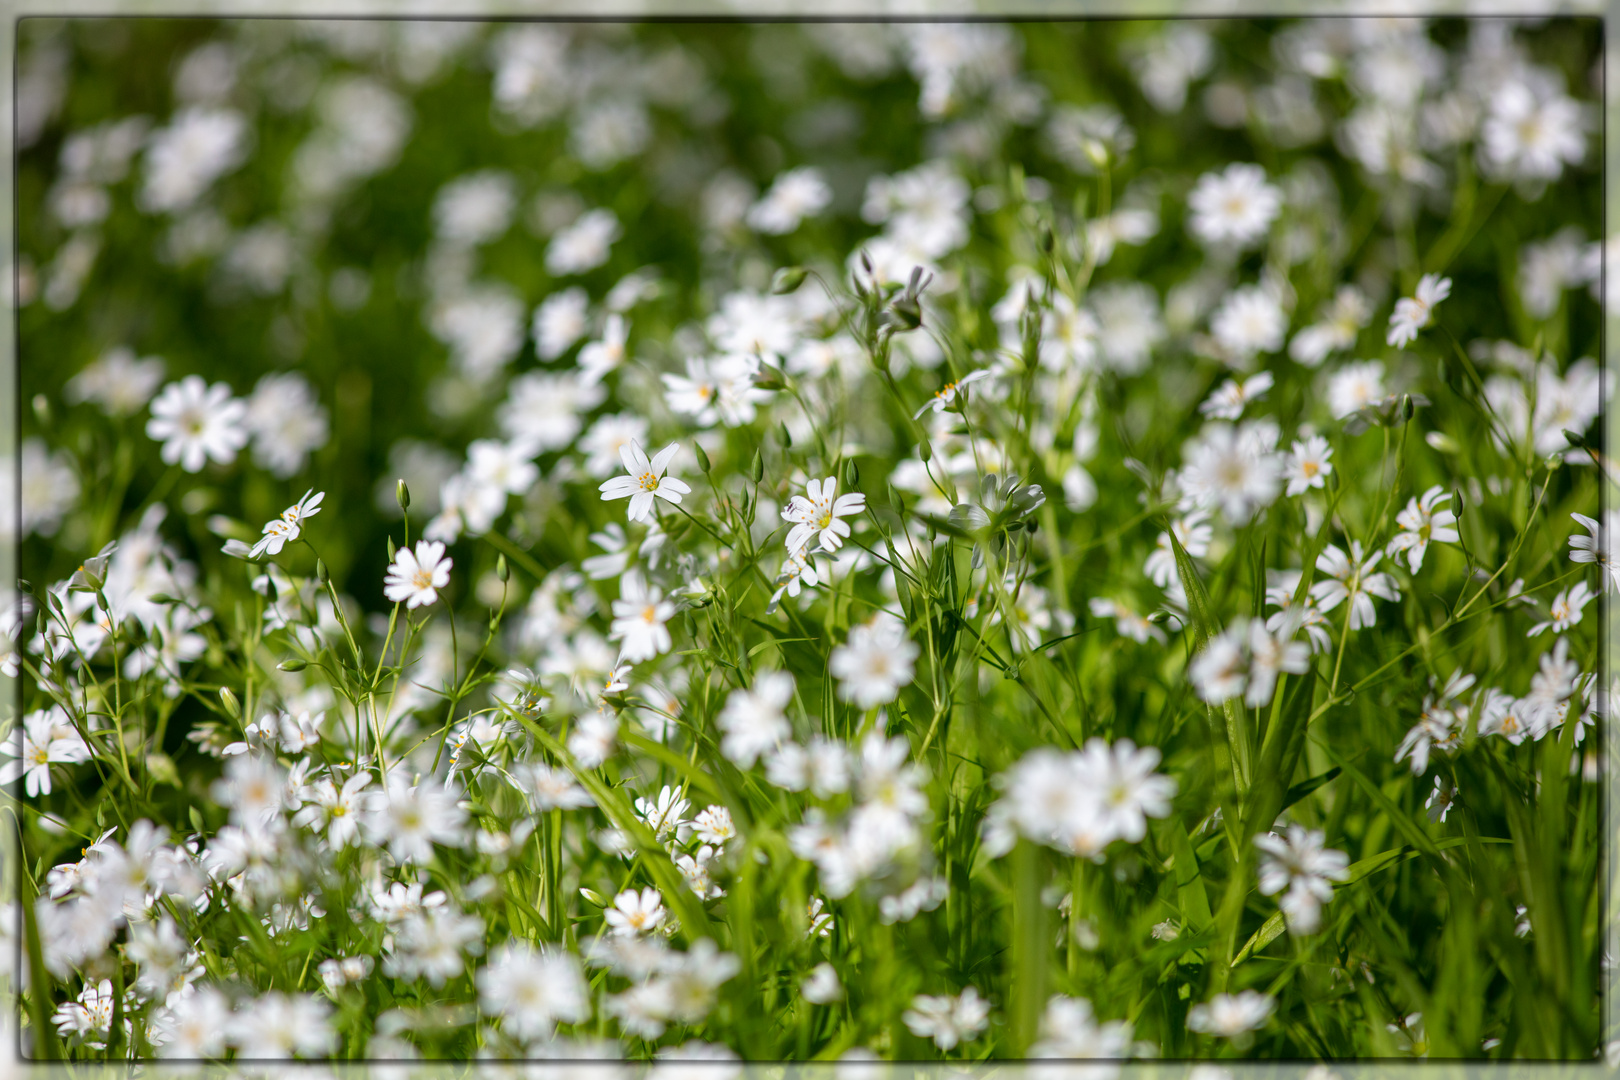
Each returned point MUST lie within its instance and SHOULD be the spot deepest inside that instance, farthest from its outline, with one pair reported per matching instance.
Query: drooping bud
(787, 279)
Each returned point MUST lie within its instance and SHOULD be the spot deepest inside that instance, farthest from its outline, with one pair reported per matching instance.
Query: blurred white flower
(184, 159)
(1235, 206)
(197, 423)
(584, 245)
(794, 195)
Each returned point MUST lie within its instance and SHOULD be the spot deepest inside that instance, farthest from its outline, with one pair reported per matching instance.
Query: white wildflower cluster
(1082, 801)
(819, 541)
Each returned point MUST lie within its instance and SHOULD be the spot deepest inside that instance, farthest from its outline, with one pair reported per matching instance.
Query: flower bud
(321, 574)
(403, 494)
(852, 474)
(294, 664)
(756, 468)
(391, 549)
(1442, 442)
(702, 458)
(502, 571)
(787, 279)
(232, 706)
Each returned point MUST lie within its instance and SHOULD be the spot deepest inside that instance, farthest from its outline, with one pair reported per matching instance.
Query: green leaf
(762, 646)
(1203, 619)
(1195, 913)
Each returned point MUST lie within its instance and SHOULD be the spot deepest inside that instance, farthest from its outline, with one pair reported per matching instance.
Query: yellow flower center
(648, 482)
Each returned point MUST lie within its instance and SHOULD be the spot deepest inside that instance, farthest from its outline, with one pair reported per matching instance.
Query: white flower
(184, 159)
(584, 245)
(197, 422)
(753, 721)
(1413, 313)
(606, 354)
(1566, 611)
(46, 738)
(1127, 789)
(1440, 725)
(546, 410)
(415, 578)
(819, 515)
(1249, 321)
(635, 913)
(1231, 1015)
(476, 208)
(1129, 326)
(1221, 671)
(1300, 863)
(410, 819)
(1069, 1029)
(1531, 135)
(1232, 468)
(286, 528)
(606, 437)
(559, 321)
(532, 989)
(645, 480)
(287, 422)
(1194, 532)
(340, 809)
(1127, 621)
(1601, 546)
(1422, 523)
(666, 815)
(695, 869)
(1307, 465)
(794, 195)
(948, 1020)
(193, 1026)
(798, 570)
(875, 663)
(713, 825)
(50, 487)
(1348, 314)
(1082, 801)
(1229, 399)
(1270, 655)
(553, 789)
(639, 618)
(1351, 577)
(1439, 802)
(822, 987)
(926, 208)
(483, 328)
(429, 944)
(117, 382)
(1236, 206)
(1355, 386)
(280, 1025)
